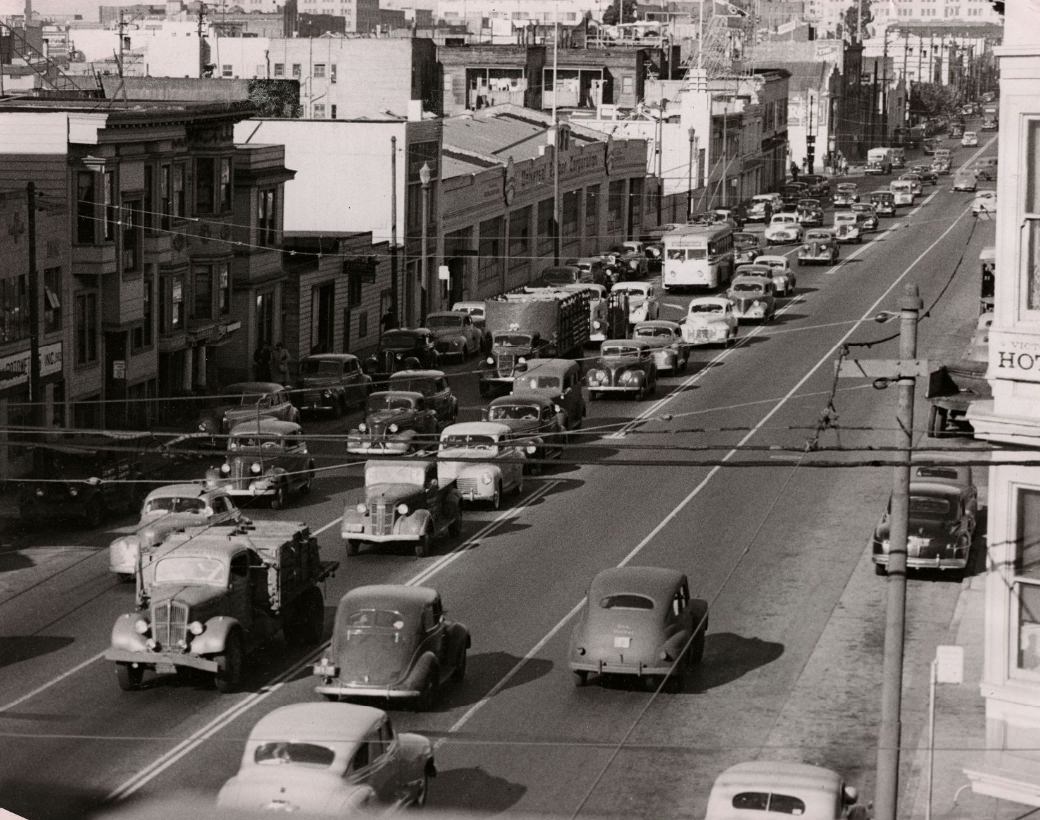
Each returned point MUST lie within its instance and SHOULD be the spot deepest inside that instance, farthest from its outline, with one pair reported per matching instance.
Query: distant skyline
(88, 8)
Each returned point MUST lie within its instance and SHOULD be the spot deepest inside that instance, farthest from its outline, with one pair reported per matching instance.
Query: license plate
(702, 334)
(622, 641)
(165, 668)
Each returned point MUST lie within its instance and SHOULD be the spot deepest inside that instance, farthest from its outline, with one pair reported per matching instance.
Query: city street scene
(540, 409)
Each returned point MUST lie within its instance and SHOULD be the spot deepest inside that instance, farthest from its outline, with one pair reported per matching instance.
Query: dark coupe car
(402, 349)
(433, 386)
(330, 382)
(623, 366)
(642, 622)
(247, 401)
(943, 512)
(746, 247)
(536, 421)
(392, 641)
(396, 422)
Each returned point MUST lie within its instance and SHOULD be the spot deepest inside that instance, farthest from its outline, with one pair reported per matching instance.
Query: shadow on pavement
(17, 648)
(473, 790)
(728, 657)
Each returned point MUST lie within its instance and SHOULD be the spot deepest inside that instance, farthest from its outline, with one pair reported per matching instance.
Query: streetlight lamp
(689, 174)
(425, 175)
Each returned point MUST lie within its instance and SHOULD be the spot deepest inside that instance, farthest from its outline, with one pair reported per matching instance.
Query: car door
(375, 765)
(296, 460)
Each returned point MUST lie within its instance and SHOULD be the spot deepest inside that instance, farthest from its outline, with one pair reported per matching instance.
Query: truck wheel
(424, 545)
(353, 546)
(129, 676)
(229, 663)
(455, 527)
(496, 499)
(278, 499)
(311, 617)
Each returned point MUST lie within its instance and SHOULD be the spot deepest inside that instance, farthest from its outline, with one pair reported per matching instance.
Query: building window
(1032, 216)
(362, 323)
(179, 201)
(266, 233)
(203, 292)
(319, 111)
(616, 207)
(227, 70)
(223, 289)
(279, 69)
(131, 236)
(205, 169)
(332, 112)
(544, 230)
(86, 328)
(1026, 591)
(165, 202)
(109, 189)
(519, 238)
(148, 212)
(86, 207)
(569, 215)
(14, 308)
(265, 317)
(296, 71)
(319, 71)
(171, 304)
(491, 261)
(592, 211)
(52, 300)
(332, 73)
(628, 84)
(224, 202)
(141, 337)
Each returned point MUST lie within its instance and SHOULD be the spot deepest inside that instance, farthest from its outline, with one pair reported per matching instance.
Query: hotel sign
(14, 369)
(1014, 356)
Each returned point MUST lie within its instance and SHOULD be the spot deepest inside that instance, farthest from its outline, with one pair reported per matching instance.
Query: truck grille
(504, 363)
(382, 519)
(467, 486)
(169, 623)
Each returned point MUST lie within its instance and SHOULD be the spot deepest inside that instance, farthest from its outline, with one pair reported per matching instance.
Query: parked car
(454, 334)
(640, 622)
(943, 513)
(784, 229)
(433, 386)
(710, 320)
(821, 247)
(168, 509)
(964, 181)
(847, 227)
(328, 759)
(405, 502)
(397, 422)
(559, 381)
(393, 641)
(763, 206)
(867, 214)
(643, 303)
(537, 424)
(753, 298)
(810, 212)
(784, 280)
(846, 194)
(330, 382)
(969, 139)
(884, 202)
(764, 788)
(265, 459)
(624, 366)
(746, 246)
(244, 401)
(482, 459)
(985, 202)
(401, 349)
(671, 352)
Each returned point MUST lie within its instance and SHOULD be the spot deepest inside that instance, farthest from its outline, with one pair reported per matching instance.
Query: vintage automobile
(330, 382)
(956, 131)
(985, 168)
(821, 247)
(916, 183)
(641, 622)
(784, 281)
(847, 227)
(753, 298)
(903, 191)
(927, 174)
(592, 271)
(810, 213)
(817, 185)
(538, 425)
(454, 334)
(605, 311)
(941, 165)
(643, 303)
(884, 202)
(868, 214)
(404, 503)
(791, 192)
(393, 641)
(165, 510)
(482, 459)
(559, 275)
(434, 388)
(710, 320)
(985, 202)
(397, 422)
(244, 401)
(784, 228)
(623, 366)
(763, 206)
(265, 459)
(746, 247)
(626, 265)
(943, 512)
(328, 760)
(969, 139)
(964, 181)
(780, 788)
(671, 353)
(846, 194)
(559, 381)
(401, 349)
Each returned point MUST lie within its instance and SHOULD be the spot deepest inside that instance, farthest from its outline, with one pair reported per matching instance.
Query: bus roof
(697, 232)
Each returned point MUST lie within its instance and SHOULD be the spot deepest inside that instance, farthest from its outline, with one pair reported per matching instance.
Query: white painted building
(888, 12)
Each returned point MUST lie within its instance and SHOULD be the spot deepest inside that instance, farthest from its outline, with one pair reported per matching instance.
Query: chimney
(28, 13)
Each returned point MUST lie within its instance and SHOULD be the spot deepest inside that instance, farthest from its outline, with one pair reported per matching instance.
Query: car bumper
(162, 662)
(708, 336)
(780, 238)
(611, 668)
(363, 535)
(809, 257)
(380, 448)
(614, 388)
(936, 562)
(123, 561)
(351, 690)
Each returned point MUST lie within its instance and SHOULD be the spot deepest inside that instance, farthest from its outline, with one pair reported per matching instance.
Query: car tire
(128, 676)
(424, 789)
(424, 546)
(455, 527)
(427, 698)
(229, 672)
(278, 499)
(496, 498)
(353, 546)
(581, 677)
(458, 674)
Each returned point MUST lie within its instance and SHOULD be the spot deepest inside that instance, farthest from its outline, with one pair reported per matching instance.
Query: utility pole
(884, 90)
(122, 30)
(35, 394)
(725, 150)
(557, 238)
(395, 304)
(903, 371)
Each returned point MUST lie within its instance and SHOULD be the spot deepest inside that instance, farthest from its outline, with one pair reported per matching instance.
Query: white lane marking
(43, 687)
(161, 764)
(695, 491)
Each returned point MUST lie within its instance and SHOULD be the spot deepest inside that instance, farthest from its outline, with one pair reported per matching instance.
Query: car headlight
(531, 449)
(756, 304)
(225, 468)
(485, 479)
(805, 247)
(326, 394)
(522, 360)
(402, 509)
(456, 343)
(255, 468)
(490, 360)
(361, 508)
(362, 427)
(393, 428)
(629, 377)
(596, 324)
(203, 427)
(73, 491)
(141, 626)
(196, 627)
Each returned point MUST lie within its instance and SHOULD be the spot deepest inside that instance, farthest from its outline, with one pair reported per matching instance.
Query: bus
(698, 256)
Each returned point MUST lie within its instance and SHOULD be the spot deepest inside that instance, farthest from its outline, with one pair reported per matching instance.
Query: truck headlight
(393, 428)
(141, 626)
(531, 449)
(490, 360)
(225, 468)
(326, 394)
(629, 377)
(255, 468)
(196, 628)
(485, 479)
(596, 324)
(362, 427)
(361, 508)
(402, 509)
(522, 360)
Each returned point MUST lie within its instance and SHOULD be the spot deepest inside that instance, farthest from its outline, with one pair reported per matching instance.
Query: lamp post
(425, 175)
(689, 175)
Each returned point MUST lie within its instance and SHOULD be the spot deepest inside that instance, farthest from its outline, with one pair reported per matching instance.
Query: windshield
(304, 754)
(373, 619)
(630, 290)
(174, 504)
(901, 186)
(655, 332)
(377, 403)
(626, 601)
(783, 220)
(249, 399)
(399, 340)
(319, 367)
(706, 307)
(468, 442)
(443, 321)
(560, 275)
(514, 411)
(679, 254)
(417, 385)
(927, 506)
(392, 472)
(255, 442)
(541, 382)
(513, 339)
(745, 241)
(817, 237)
(189, 570)
(747, 287)
(620, 350)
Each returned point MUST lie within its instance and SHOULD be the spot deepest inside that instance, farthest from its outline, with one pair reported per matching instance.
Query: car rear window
(626, 601)
(936, 472)
(308, 754)
(769, 801)
(379, 618)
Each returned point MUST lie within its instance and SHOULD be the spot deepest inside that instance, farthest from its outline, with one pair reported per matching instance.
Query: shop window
(1026, 592)
(52, 300)
(546, 228)
(519, 238)
(491, 261)
(86, 328)
(14, 309)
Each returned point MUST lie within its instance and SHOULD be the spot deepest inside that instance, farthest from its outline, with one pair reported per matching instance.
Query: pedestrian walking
(794, 170)
(280, 364)
(389, 320)
(262, 362)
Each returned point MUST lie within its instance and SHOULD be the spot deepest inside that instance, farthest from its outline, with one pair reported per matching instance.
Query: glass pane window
(14, 308)
(203, 292)
(176, 303)
(1026, 589)
(178, 200)
(223, 289)
(1031, 249)
(52, 300)
(165, 193)
(86, 328)
(265, 217)
(86, 207)
(205, 169)
(225, 184)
